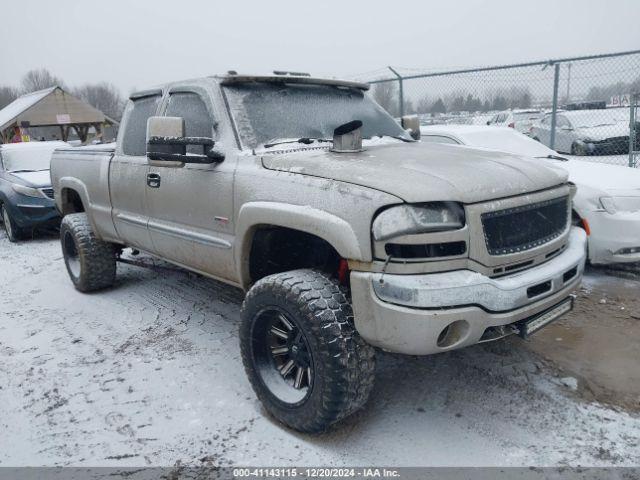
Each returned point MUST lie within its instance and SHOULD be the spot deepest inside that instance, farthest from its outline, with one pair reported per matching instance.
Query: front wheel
(578, 149)
(14, 233)
(91, 262)
(302, 354)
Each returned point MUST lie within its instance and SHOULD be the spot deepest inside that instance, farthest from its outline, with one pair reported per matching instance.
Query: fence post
(554, 108)
(401, 90)
(633, 134)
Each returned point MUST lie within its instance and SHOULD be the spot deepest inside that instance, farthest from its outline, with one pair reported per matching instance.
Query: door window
(197, 119)
(135, 135)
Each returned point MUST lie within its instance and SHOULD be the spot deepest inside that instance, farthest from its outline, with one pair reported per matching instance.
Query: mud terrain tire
(91, 263)
(342, 364)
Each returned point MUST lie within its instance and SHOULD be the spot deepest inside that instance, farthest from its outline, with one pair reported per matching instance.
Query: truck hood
(423, 172)
(35, 179)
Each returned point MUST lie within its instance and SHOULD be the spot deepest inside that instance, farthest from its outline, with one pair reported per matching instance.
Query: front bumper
(410, 313)
(609, 146)
(28, 212)
(614, 238)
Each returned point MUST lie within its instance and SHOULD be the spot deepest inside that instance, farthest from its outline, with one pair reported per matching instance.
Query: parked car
(342, 245)
(607, 204)
(586, 132)
(521, 120)
(26, 196)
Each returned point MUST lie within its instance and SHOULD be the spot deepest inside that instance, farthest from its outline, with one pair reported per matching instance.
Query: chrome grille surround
(536, 253)
(522, 228)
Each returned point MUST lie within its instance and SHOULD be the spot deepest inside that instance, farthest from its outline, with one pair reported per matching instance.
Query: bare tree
(103, 96)
(39, 79)
(7, 95)
(386, 94)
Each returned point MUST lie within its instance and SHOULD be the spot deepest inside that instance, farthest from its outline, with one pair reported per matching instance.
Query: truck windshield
(266, 112)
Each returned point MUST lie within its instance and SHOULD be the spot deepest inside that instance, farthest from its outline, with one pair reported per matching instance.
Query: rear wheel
(302, 354)
(14, 233)
(90, 262)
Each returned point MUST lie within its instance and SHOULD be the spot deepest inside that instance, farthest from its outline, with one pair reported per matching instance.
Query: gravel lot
(149, 373)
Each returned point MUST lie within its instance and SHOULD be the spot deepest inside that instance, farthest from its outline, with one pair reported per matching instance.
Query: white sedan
(607, 203)
(587, 132)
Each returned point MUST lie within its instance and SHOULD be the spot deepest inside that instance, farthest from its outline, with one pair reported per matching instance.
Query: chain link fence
(584, 106)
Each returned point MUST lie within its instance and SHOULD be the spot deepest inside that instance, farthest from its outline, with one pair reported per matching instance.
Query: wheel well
(279, 249)
(576, 219)
(71, 202)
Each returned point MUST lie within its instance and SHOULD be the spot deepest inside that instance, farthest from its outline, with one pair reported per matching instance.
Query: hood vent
(347, 138)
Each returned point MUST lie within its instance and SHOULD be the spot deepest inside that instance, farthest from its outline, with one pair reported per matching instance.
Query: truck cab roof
(232, 78)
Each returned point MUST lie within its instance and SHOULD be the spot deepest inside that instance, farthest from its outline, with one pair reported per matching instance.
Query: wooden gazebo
(52, 107)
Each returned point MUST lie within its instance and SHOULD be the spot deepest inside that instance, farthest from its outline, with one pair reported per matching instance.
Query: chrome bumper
(464, 287)
(407, 313)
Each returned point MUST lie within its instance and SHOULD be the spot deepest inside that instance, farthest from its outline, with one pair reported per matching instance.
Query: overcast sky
(135, 43)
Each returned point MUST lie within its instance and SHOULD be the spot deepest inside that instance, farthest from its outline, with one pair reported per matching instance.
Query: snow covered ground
(149, 373)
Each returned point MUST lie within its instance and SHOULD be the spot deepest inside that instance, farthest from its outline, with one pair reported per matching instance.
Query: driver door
(191, 206)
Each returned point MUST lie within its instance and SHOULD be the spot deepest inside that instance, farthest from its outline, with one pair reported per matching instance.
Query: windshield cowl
(294, 146)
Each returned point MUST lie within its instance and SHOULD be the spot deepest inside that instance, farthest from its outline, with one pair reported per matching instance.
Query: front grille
(522, 228)
(48, 192)
(611, 146)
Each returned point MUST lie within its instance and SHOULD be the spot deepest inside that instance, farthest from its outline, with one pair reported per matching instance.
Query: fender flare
(331, 228)
(76, 185)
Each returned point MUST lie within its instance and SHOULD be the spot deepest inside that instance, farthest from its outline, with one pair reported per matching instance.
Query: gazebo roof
(51, 106)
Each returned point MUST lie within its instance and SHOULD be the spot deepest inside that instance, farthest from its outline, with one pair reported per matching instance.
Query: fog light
(453, 334)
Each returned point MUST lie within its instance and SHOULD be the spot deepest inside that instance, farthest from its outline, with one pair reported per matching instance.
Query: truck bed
(85, 170)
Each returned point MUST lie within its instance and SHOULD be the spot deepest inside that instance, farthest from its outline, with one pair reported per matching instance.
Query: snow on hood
(419, 172)
(35, 179)
(613, 179)
(602, 132)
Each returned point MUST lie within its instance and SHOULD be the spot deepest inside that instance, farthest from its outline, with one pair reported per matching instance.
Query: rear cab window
(135, 134)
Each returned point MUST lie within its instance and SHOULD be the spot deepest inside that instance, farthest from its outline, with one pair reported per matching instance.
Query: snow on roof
(9, 113)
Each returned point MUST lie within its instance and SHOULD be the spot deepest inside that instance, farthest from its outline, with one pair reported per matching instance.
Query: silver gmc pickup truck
(346, 232)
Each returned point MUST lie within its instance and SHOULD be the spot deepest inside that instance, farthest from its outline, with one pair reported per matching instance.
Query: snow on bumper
(615, 238)
(408, 313)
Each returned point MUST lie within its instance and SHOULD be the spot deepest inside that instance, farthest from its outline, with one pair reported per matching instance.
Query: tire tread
(349, 362)
(97, 258)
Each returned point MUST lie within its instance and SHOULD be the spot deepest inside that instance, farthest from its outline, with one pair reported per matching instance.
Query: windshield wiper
(23, 171)
(303, 140)
(555, 157)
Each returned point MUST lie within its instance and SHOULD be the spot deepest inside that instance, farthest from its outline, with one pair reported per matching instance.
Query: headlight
(416, 219)
(615, 205)
(28, 191)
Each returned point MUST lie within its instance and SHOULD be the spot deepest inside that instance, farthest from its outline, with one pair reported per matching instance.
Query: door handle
(153, 180)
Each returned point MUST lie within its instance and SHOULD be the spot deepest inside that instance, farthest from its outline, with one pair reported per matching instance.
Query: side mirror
(166, 143)
(411, 123)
